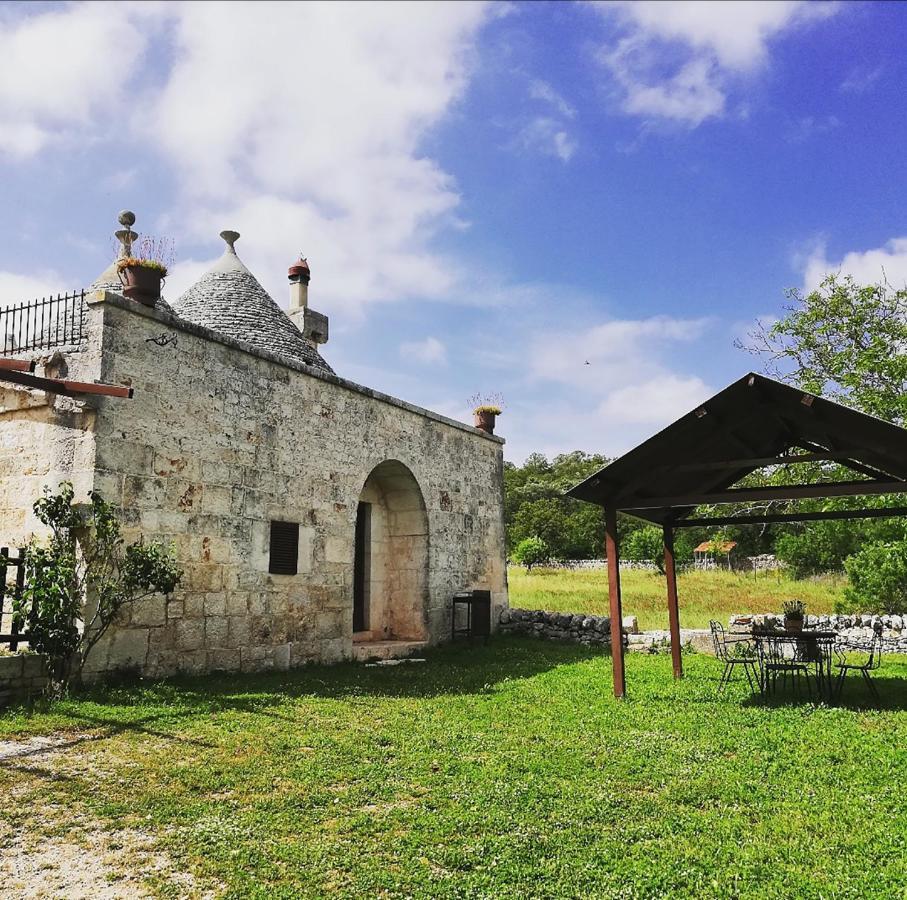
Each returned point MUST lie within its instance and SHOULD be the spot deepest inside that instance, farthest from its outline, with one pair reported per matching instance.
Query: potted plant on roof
(794, 614)
(143, 269)
(486, 409)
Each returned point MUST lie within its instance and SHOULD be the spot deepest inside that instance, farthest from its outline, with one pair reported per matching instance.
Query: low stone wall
(854, 627)
(591, 630)
(22, 675)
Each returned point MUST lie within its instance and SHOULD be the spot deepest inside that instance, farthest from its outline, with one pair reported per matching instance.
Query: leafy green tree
(878, 578)
(843, 340)
(531, 551)
(82, 577)
(645, 544)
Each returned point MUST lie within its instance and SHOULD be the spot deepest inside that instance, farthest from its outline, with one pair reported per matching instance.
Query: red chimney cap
(299, 268)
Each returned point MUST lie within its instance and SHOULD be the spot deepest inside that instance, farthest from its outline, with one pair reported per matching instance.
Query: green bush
(531, 552)
(878, 579)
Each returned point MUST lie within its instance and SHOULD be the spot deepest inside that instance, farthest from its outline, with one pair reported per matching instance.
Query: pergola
(753, 423)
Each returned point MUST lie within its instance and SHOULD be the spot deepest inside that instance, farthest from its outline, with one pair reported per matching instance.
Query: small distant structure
(714, 555)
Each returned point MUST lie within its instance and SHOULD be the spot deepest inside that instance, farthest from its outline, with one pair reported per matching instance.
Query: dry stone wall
(22, 676)
(217, 442)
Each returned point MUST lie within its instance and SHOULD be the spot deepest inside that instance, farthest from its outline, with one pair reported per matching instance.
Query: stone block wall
(854, 627)
(218, 442)
(22, 675)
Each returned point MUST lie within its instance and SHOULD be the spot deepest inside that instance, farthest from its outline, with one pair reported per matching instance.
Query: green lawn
(703, 595)
(496, 771)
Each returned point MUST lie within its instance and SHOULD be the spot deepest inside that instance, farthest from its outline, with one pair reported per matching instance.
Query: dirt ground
(86, 860)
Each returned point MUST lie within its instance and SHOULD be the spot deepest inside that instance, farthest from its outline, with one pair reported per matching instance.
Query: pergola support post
(617, 619)
(673, 609)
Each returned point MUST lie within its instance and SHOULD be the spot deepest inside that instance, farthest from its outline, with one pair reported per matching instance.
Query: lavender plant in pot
(143, 270)
(794, 614)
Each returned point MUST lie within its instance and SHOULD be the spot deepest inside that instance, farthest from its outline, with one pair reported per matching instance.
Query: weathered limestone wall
(46, 438)
(217, 442)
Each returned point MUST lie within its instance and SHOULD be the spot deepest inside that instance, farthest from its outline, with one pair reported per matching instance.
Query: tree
(878, 578)
(843, 340)
(82, 576)
(531, 552)
(646, 544)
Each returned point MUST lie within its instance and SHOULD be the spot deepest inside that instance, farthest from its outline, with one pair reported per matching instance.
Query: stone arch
(391, 557)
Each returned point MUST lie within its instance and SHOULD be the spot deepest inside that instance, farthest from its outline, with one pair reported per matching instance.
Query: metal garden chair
(870, 659)
(734, 652)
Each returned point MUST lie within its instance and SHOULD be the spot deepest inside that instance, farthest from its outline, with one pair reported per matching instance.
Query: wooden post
(617, 634)
(673, 610)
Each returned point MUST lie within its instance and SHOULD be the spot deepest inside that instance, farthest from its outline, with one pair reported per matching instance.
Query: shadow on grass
(854, 695)
(451, 670)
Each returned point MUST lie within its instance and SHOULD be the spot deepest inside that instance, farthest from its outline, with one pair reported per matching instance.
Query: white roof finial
(231, 237)
(126, 235)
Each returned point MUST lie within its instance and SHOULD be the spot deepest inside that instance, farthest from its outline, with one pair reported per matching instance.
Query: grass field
(498, 771)
(702, 595)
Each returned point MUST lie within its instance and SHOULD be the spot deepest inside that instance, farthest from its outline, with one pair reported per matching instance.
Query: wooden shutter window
(284, 548)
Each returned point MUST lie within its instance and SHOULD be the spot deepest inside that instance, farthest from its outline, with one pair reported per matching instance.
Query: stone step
(367, 651)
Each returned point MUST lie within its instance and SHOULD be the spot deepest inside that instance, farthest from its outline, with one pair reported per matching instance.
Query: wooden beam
(673, 608)
(63, 386)
(17, 365)
(759, 462)
(851, 463)
(888, 512)
(617, 619)
(781, 492)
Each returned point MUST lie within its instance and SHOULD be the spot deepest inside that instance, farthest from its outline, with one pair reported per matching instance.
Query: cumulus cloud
(16, 288)
(430, 351)
(311, 135)
(658, 400)
(675, 60)
(866, 266)
(547, 136)
(62, 69)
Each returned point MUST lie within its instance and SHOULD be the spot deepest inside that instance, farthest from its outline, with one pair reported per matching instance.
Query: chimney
(313, 325)
(299, 275)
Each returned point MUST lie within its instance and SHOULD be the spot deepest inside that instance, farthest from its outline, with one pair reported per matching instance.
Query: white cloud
(675, 59)
(430, 351)
(16, 288)
(310, 139)
(541, 90)
(62, 68)
(810, 126)
(658, 400)
(547, 136)
(866, 266)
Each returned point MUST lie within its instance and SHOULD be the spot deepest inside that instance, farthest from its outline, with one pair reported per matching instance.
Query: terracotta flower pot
(141, 283)
(485, 420)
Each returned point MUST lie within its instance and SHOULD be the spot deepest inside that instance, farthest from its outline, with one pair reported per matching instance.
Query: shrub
(645, 545)
(82, 576)
(878, 579)
(531, 552)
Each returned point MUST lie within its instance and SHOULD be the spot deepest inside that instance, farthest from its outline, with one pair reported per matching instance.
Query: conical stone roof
(229, 300)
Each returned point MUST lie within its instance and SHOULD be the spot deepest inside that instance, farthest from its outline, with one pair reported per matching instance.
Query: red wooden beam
(64, 386)
(617, 619)
(17, 365)
(673, 608)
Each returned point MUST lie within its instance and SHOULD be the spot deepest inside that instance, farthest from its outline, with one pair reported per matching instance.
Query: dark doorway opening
(362, 567)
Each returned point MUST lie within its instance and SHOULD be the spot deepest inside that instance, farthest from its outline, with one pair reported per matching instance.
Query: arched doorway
(390, 574)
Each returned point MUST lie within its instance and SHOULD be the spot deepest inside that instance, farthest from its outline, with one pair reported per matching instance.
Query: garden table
(806, 649)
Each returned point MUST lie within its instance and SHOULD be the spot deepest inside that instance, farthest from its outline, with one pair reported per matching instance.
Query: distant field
(703, 595)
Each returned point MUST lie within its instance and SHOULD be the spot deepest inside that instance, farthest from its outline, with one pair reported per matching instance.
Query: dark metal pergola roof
(753, 423)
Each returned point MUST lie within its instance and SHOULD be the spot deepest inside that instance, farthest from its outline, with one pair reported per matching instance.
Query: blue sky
(578, 206)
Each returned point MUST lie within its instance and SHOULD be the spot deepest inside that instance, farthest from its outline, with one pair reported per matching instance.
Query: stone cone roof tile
(228, 299)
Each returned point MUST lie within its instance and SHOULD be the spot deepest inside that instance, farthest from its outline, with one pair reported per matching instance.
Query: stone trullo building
(315, 519)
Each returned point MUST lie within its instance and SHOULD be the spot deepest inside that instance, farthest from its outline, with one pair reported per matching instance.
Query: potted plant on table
(794, 614)
(143, 270)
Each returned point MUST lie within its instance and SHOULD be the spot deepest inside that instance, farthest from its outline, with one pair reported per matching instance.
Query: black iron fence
(12, 623)
(43, 324)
